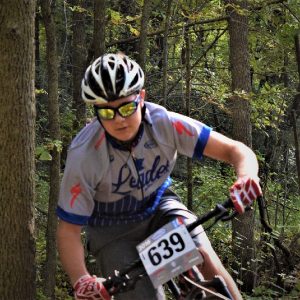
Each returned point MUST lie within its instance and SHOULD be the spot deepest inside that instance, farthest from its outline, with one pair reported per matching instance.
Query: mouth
(122, 128)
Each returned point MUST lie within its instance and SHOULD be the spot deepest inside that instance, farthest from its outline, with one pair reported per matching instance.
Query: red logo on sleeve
(100, 140)
(180, 128)
(75, 191)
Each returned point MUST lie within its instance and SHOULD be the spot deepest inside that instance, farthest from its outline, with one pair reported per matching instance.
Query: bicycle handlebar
(220, 211)
(122, 281)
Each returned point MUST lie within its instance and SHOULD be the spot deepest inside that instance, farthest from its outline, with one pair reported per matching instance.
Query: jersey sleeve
(76, 196)
(85, 166)
(189, 135)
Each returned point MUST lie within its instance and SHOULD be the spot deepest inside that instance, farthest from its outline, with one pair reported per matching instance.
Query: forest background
(232, 64)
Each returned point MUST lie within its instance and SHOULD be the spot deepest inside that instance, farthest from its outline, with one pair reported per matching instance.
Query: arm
(71, 250)
(246, 188)
(71, 254)
(241, 157)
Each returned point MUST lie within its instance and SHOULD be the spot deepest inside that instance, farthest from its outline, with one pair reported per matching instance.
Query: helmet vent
(88, 96)
(111, 64)
(120, 79)
(94, 85)
(107, 82)
(134, 81)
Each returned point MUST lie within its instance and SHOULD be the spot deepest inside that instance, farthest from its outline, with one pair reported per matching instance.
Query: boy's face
(124, 128)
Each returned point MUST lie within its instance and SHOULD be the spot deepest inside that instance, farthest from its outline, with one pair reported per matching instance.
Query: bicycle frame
(125, 279)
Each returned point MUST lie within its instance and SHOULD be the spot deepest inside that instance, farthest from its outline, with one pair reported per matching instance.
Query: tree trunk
(99, 27)
(143, 34)
(188, 110)
(17, 150)
(78, 64)
(54, 132)
(295, 113)
(243, 226)
(165, 53)
(37, 48)
(296, 141)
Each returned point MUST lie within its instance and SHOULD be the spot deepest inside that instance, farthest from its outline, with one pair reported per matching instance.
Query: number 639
(165, 248)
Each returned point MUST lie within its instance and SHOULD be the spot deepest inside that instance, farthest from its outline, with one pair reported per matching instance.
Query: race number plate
(168, 252)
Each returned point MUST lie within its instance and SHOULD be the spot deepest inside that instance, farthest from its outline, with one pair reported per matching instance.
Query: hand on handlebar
(89, 287)
(243, 192)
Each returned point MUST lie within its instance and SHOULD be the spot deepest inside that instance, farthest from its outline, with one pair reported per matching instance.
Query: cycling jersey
(105, 183)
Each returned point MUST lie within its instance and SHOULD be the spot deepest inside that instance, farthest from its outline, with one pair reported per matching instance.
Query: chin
(125, 138)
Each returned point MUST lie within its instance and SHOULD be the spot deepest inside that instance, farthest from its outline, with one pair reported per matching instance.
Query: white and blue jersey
(105, 184)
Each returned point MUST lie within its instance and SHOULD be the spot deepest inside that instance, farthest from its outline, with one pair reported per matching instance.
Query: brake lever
(121, 282)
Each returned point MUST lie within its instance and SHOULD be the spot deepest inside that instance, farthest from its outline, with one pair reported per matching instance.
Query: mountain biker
(117, 178)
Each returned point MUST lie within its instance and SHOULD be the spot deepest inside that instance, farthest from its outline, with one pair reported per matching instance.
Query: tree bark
(165, 52)
(78, 64)
(243, 226)
(295, 113)
(54, 132)
(99, 27)
(188, 70)
(17, 150)
(143, 34)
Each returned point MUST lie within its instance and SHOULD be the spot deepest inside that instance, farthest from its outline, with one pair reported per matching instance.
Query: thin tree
(165, 52)
(144, 31)
(78, 62)
(188, 80)
(243, 226)
(294, 112)
(99, 27)
(54, 133)
(17, 150)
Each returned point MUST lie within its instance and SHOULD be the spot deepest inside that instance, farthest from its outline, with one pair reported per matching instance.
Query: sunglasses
(125, 110)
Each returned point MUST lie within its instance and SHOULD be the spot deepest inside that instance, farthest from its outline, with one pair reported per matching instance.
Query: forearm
(244, 161)
(235, 153)
(71, 251)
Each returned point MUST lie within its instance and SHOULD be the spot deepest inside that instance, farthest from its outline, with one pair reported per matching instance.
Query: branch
(268, 4)
(291, 12)
(178, 26)
(269, 229)
(199, 59)
(160, 31)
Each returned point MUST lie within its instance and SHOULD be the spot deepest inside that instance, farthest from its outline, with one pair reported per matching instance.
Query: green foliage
(43, 151)
(269, 107)
(271, 51)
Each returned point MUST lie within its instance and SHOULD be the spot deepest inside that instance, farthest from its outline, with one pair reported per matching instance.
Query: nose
(118, 117)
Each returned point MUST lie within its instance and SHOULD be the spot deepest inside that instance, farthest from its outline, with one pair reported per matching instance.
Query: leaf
(42, 153)
(40, 92)
(239, 282)
(134, 31)
(115, 17)
(45, 156)
(270, 245)
(77, 8)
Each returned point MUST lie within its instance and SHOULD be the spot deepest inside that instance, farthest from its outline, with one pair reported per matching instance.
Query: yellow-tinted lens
(106, 113)
(127, 109)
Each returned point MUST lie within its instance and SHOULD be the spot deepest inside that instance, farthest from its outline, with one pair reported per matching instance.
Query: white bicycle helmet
(110, 77)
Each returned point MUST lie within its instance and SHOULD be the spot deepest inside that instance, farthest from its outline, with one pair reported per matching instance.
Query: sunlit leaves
(115, 17)
(43, 151)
